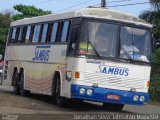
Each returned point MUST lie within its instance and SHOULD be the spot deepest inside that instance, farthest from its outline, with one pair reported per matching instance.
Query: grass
(154, 102)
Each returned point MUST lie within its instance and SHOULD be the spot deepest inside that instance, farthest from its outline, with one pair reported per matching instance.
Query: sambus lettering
(41, 53)
(114, 70)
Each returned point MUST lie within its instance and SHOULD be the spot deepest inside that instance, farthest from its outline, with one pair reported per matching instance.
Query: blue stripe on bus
(43, 46)
(100, 95)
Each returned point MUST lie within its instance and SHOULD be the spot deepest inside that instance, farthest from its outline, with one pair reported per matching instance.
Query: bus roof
(86, 12)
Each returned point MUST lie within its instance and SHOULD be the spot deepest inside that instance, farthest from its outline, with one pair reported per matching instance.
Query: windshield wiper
(98, 55)
(126, 53)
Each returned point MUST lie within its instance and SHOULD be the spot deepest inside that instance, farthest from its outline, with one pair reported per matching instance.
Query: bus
(91, 54)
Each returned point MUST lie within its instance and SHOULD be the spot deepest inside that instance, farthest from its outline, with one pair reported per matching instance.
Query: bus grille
(117, 81)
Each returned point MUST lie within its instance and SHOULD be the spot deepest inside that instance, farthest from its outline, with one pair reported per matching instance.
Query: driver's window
(72, 45)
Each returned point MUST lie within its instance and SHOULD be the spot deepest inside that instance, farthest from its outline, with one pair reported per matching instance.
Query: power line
(97, 5)
(74, 6)
(42, 2)
(116, 1)
(129, 4)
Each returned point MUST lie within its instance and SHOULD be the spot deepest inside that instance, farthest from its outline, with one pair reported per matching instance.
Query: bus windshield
(99, 39)
(135, 44)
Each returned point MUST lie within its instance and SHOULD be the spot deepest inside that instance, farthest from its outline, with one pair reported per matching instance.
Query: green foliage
(28, 11)
(153, 17)
(6, 18)
(155, 76)
(155, 4)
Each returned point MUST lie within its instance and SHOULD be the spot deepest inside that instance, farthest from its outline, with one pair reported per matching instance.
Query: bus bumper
(100, 95)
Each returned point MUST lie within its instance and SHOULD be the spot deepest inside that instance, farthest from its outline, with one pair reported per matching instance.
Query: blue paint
(99, 95)
(41, 53)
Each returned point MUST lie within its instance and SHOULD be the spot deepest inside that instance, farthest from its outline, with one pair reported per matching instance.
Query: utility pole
(103, 3)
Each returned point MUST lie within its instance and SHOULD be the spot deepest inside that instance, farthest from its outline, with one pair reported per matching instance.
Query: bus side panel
(39, 63)
(38, 78)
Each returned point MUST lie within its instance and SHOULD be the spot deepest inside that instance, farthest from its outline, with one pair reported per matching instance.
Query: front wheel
(111, 106)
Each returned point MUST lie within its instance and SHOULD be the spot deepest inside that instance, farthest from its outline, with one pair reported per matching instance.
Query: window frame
(80, 20)
(52, 30)
(20, 34)
(38, 36)
(119, 23)
(100, 21)
(46, 34)
(48, 38)
(62, 31)
(136, 61)
(12, 40)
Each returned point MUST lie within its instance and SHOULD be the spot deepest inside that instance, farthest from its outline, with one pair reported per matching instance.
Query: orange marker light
(77, 75)
(148, 83)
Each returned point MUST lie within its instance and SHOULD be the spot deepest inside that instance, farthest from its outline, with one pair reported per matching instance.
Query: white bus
(92, 54)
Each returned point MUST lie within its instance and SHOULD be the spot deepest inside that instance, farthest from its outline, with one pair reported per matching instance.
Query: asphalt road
(40, 107)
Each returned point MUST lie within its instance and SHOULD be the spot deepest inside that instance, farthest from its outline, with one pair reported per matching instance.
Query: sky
(58, 6)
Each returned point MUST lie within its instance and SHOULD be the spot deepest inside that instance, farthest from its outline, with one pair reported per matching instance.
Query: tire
(54, 92)
(114, 107)
(60, 101)
(23, 92)
(1, 79)
(16, 85)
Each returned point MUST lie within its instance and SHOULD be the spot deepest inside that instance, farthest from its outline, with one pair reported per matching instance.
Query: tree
(28, 11)
(155, 4)
(6, 18)
(153, 17)
(155, 76)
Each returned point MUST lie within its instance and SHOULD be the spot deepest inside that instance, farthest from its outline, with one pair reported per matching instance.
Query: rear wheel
(59, 100)
(1, 79)
(16, 85)
(111, 106)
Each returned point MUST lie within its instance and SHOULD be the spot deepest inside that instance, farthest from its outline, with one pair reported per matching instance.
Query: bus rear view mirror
(73, 46)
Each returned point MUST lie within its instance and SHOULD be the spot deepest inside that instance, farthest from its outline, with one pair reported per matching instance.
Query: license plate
(113, 97)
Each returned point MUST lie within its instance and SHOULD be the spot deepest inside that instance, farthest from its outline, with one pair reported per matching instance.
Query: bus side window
(9, 36)
(24, 34)
(53, 32)
(36, 33)
(13, 36)
(20, 35)
(28, 32)
(44, 33)
(73, 40)
(64, 32)
(17, 35)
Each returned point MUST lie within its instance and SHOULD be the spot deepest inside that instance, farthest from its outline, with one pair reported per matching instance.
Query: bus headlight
(142, 99)
(89, 92)
(82, 91)
(136, 98)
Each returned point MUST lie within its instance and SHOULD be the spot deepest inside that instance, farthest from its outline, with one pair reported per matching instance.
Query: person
(131, 50)
(1, 68)
(1, 60)
(85, 48)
